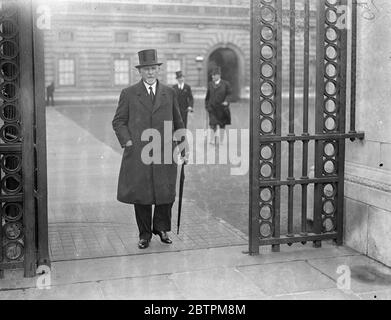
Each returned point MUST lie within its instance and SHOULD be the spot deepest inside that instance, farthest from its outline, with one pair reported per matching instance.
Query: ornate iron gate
(279, 212)
(23, 228)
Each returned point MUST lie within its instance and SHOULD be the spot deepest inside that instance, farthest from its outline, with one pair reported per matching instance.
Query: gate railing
(279, 214)
(23, 197)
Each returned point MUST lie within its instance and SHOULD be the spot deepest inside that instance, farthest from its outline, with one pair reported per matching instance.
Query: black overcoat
(215, 96)
(185, 100)
(141, 183)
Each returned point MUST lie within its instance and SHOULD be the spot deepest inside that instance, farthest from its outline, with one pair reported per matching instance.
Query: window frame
(66, 40)
(121, 32)
(59, 73)
(176, 33)
(170, 73)
(117, 57)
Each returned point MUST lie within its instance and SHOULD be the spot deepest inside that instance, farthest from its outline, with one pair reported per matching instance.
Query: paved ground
(93, 238)
(297, 273)
(212, 188)
(86, 220)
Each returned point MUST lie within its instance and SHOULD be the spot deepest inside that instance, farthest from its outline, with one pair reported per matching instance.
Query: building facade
(91, 47)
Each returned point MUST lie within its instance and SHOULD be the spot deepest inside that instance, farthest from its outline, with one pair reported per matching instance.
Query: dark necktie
(151, 94)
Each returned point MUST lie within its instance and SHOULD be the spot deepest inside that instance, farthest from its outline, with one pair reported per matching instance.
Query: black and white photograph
(195, 150)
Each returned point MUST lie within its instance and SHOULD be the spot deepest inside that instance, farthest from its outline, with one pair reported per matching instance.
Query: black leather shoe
(163, 236)
(143, 244)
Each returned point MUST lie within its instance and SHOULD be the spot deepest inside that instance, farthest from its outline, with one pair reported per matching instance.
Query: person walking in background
(217, 101)
(144, 106)
(184, 95)
(50, 94)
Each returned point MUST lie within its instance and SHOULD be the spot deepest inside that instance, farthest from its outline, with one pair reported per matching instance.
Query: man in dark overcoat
(217, 101)
(185, 96)
(144, 106)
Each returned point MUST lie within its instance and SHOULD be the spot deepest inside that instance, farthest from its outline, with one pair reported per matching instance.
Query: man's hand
(225, 103)
(183, 159)
(128, 144)
(190, 109)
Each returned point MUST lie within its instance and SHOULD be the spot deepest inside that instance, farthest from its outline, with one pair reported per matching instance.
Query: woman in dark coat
(217, 100)
(145, 106)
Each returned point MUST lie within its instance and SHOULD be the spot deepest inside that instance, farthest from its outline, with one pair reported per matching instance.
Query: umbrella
(181, 184)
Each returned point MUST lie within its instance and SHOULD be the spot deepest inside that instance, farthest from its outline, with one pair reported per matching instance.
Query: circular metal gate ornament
(9, 28)
(266, 212)
(11, 163)
(267, 51)
(266, 195)
(328, 224)
(9, 70)
(8, 91)
(10, 133)
(9, 112)
(14, 250)
(11, 184)
(8, 49)
(267, 108)
(12, 211)
(266, 229)
(13, 230)
(329, 191)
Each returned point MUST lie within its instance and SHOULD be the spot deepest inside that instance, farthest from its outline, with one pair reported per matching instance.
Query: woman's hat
(148, 58)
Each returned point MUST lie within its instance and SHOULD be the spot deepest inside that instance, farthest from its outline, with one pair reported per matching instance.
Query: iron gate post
(329, 136)
(23, 216)
(254, 124)
(40, 149)
(27, 119)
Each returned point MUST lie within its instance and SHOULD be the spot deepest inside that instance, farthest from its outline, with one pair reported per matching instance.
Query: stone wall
(368, 166)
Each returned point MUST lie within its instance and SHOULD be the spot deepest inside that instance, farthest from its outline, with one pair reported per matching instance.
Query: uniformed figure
(185, 96)
(147, 105)
(217, 101)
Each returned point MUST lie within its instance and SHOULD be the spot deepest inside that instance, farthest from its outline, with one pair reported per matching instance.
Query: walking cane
(181, 184)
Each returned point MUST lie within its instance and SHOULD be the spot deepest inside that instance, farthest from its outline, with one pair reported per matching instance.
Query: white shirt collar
(150, 85)
(218, 82)
(181, 86)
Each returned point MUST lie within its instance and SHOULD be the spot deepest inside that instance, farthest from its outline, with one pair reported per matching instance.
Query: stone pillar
(368, 163)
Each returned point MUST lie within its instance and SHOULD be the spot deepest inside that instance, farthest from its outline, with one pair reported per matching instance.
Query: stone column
(368, 163)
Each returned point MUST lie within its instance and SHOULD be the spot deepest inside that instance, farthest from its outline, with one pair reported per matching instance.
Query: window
(121, 36)
(65, 36)
(174, 38)
(172, 67)
(121, 72)
(66, 71)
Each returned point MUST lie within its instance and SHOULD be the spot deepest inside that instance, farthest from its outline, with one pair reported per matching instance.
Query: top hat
(179, 74)
(216, 70)
(148, 58)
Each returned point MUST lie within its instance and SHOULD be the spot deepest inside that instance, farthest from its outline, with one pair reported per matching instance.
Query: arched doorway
(227, 59)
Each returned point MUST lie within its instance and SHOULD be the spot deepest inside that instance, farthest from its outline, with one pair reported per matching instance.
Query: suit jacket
(185, 100)
(141, 183)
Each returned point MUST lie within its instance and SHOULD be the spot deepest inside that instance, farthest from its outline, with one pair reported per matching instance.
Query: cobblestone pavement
(105, 230)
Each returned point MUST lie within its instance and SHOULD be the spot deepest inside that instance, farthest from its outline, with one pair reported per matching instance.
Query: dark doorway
(228, 61)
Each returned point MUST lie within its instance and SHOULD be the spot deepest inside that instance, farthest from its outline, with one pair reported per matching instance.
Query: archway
(227, 59)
